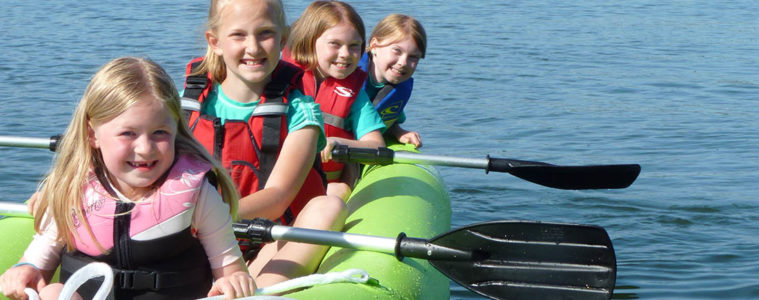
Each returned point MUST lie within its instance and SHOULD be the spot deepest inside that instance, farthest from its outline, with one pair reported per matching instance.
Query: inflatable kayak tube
(386, 201)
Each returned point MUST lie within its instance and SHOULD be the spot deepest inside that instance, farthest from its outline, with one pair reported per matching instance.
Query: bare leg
(344, 187)
(281, 261)
(339, 189)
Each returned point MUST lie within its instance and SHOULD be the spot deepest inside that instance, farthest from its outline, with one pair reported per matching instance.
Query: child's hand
(31, 204)
(235, 285)
(327, 151)
(16, 279)
(411, 137)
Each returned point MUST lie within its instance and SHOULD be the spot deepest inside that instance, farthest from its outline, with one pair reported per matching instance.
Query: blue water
(671, 85)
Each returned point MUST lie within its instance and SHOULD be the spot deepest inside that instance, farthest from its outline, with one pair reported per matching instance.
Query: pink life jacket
(175, 198)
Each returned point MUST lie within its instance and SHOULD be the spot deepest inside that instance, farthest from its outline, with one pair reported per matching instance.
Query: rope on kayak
(92, 270)
(30, 292)
(349, 276)
(98, 269)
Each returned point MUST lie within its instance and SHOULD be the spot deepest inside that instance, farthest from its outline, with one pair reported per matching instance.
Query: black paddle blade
(568, 177)
(532, 260)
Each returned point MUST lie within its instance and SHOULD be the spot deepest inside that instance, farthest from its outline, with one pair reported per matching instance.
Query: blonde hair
(116, 87)
(315, 20)
(213, 64)
(396, 27)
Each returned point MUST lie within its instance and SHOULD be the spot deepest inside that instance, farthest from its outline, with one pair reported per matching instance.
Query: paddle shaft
(13, 209)
(29, 142)
(264, 231)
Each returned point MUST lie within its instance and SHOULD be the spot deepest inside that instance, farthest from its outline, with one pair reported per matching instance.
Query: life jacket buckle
(196, 82)
(138, 280)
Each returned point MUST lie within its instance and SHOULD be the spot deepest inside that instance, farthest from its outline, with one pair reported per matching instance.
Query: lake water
(670, 85)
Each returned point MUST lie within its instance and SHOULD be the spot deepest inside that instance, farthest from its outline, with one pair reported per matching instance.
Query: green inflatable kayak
(387, 200)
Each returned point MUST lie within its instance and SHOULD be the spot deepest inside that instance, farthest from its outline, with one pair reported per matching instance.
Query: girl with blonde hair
(130, 187)
(248, 111)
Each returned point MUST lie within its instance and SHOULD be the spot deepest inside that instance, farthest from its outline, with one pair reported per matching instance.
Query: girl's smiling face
(338, 51)
(249, 42)
(137, 146)
(395, 62)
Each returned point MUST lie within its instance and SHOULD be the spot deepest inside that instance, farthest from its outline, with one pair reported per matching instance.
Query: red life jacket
(335, 97)
(248, 150)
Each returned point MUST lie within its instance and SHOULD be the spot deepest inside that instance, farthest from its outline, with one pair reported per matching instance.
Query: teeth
(252, 62)
(140, 165)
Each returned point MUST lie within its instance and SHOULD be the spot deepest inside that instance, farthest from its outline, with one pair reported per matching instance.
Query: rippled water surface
(671, 85)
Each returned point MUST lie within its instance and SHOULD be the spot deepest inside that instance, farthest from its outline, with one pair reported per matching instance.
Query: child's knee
(340, 190)
(331, 203)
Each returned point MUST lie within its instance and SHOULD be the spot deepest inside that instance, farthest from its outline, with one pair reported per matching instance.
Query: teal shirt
(302, 111)
(363, 118)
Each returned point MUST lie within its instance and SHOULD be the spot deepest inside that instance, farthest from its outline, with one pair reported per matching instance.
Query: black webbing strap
(134, 279)
(194, 87)
(382, 93)
(195, 84)
(121, 223)
(274, 92)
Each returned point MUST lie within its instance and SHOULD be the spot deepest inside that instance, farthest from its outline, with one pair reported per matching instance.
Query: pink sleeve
(45, 251)
(214, 225)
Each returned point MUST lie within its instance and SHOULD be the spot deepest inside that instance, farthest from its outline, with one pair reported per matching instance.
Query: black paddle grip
(54, 142)
(258, 230)
(424, 249)
(368, 156)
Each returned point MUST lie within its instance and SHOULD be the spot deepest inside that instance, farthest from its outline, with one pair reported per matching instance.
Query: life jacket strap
(382, 93)
(133, 279)
(270, 109)
(333, 120)
(274, 93)
(333, 175)
(189, 104)
(194, 84)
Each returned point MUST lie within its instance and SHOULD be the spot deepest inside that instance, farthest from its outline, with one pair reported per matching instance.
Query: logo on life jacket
(390, 111)
(344, 91)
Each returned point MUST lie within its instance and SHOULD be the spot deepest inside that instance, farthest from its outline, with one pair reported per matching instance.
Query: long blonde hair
(315, 20)
(117, 86)
(396, 27)
(214, 64)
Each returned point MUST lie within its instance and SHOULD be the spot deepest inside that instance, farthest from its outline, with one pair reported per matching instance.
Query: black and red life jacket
(249, 149)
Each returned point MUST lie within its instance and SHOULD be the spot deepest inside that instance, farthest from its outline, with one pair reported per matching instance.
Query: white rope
(91, 270)
(30, 293)
(350, 275)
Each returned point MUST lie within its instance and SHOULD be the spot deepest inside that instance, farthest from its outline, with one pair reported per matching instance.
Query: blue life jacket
(391, 99)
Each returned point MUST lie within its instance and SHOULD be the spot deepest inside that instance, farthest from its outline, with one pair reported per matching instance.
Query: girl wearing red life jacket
(327, 41)
(245, 38)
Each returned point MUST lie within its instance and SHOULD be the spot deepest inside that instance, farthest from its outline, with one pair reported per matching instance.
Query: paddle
(560, 177)
(500, 259)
